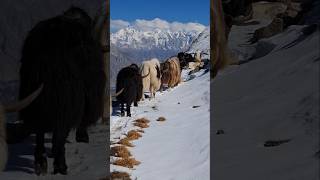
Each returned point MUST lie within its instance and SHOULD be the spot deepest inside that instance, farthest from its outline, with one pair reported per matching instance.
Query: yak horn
(145, 75)
(24, 102)
(118, 93)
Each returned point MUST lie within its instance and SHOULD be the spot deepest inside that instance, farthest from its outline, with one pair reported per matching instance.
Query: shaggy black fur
(130, 80)
(184, 59)
(62, 54)
(139, 83)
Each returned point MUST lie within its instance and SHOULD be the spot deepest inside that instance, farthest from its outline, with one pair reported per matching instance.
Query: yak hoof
(135, 104)
(41, 167)
(129, 115)
(61, 169)
(122, 114)
(82, 136)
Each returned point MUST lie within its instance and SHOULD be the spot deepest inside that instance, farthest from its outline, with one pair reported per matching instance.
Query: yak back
(62, 54)
(127, 80)
(171, 72)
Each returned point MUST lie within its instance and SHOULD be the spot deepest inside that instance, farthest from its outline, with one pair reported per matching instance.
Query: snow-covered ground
(273, 97)
(85, 161)
(177, 148)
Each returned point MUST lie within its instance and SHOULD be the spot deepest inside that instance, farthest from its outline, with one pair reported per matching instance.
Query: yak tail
(146, 75)
(118, 93)
(24, 102)
(158, 72)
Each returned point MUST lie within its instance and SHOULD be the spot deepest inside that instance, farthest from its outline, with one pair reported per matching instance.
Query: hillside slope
(177, 148)
(268, 109)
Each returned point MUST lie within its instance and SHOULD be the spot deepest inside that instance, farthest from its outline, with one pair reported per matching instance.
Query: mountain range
(130, 45)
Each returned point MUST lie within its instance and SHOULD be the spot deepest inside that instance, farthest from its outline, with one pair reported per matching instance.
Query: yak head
(134, 66)
(98, 26)
(78, 15)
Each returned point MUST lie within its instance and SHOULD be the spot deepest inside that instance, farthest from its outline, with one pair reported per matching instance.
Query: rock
(220, 131)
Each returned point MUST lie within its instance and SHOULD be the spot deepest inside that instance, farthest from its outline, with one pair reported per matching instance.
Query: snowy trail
(177, 148)
(274, 97)
(85, 161)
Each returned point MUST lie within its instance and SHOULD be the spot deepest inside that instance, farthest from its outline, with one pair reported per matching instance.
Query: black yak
(139, 83)
(184, 59)
(129, 83)
(64, 54)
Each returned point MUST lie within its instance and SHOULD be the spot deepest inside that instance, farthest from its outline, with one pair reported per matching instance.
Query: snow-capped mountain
(202, 43)
(159, 43)
(118, 60)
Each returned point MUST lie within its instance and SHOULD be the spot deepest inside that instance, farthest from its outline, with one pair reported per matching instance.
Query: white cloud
(118, 24)
(150, 25)
(175, 26)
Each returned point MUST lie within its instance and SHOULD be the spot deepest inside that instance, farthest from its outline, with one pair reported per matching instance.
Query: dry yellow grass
(126, 142)
(116, 175)
(141, 125)
(142, 120)
(120, 151)
(126, 162)
(161, 119)
(133, 135)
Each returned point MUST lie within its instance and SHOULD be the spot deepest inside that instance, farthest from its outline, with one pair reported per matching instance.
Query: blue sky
(170, 10)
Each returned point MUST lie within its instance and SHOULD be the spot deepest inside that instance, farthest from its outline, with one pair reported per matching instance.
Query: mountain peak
(157, 38)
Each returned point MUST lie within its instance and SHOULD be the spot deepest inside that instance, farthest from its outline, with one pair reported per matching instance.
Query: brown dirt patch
(141, 125)
(126, 162)
(120, 151)
(142, 120)
(126, 142)
(116, 175)
(133, 135)
(161, 119)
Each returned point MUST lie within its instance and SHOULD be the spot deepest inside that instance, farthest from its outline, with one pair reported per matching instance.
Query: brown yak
(171, 73)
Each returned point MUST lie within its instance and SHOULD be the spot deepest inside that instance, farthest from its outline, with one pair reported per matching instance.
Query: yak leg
(40, 156)
(128, 109)
(122, 109)
(58, 151)
(151, 93)
(154, 93)
(142, 98)
(82, 133)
